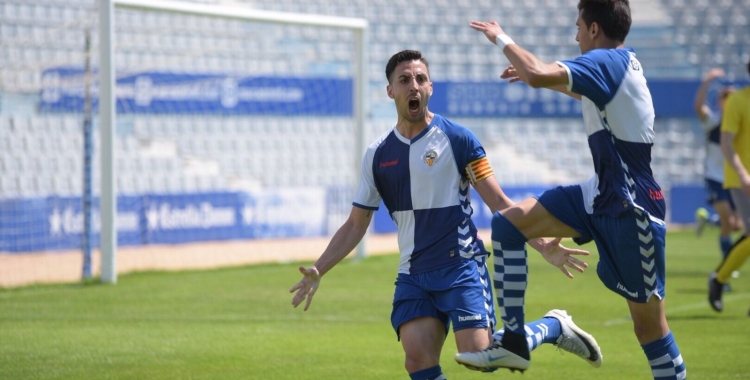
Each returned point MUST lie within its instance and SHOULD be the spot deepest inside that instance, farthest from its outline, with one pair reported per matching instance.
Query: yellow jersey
(736, 120)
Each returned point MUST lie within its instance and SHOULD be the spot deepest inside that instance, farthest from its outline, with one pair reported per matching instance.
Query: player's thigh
(412, 301)
(422, 340)
(534, 220)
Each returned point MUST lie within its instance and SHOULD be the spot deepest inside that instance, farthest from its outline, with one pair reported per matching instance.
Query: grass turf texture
(238, 323)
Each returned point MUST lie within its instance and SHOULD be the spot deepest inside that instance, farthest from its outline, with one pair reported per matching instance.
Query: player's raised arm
(527, 67)
(343, 242)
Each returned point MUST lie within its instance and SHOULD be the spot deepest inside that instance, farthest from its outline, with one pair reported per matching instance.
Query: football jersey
(714, 162)
(424, 186)
(618, 115)
(736, 121)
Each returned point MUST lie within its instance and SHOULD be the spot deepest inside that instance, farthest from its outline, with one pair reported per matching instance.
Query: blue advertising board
(164, 92)
(671, 97)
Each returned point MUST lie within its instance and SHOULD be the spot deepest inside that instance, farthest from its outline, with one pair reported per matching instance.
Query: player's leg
(421, 328)
(510, 232)
(726, 213)
(633, 265)
(556, 327)
(737, 255)
(422, 340)
(511, 229)
(657, 341)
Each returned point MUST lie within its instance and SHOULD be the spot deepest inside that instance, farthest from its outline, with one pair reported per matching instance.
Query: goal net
(230, 124)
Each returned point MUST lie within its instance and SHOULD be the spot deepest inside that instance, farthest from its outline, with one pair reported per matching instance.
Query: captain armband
(479, 170)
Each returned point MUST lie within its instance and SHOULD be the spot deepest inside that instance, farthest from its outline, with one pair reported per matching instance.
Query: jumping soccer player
(621, 208)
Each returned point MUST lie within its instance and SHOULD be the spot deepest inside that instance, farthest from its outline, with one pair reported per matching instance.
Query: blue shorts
(716, 192)
(459, 294)
(631, 245)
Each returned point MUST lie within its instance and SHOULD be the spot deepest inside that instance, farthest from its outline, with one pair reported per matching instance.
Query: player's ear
(389, 90)
(594, 30)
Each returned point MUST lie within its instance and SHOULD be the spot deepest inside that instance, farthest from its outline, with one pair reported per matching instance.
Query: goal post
(108, 103)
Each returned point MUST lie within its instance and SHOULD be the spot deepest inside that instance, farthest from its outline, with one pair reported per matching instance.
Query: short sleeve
(367, 196)
(596, 74)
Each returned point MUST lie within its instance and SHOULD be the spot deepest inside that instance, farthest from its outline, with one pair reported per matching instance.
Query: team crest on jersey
(429, 157)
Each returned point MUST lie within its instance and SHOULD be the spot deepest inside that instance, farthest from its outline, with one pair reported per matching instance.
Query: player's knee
(417, 361)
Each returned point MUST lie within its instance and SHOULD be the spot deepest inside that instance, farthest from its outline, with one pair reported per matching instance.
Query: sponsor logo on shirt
(389, 163)
(656, 194)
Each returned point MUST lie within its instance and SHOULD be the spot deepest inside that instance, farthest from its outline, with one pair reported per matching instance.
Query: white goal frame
(107, 109)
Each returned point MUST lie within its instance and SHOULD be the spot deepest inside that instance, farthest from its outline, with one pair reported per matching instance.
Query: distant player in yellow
(713, 174)
(735, 144)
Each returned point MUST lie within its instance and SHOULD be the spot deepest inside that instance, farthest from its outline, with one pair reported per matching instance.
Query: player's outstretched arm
(343, 242)
(700, 106)
(511, 74)
(530, 69)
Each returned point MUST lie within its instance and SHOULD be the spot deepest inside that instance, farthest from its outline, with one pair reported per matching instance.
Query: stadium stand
(184, 154)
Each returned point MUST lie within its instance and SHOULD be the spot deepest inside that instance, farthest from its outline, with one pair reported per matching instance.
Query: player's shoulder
(381, 139)
(450, 127)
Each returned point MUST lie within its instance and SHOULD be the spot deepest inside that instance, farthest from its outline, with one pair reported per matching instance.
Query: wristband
(504, 40)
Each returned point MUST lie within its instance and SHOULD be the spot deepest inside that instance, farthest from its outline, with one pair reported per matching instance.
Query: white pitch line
(695, 306)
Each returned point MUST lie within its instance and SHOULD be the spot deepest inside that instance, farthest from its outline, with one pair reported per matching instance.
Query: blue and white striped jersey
(618, 115)
(424, 186)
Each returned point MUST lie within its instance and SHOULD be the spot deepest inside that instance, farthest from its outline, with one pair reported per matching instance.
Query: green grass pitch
(238, 323)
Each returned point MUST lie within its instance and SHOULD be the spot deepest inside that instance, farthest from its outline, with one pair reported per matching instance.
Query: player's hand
(560, 256)
(306, 287)
(490, 29)
(714, 73)
(511, 74)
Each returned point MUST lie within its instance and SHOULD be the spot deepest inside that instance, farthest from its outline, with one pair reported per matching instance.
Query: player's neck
(607, 43)
(410, 129)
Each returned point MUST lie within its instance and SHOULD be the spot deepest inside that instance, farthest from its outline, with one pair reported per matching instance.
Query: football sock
(545, 330)
(725, 242)
(665, 359)
(511, 270)
(737, 256)
(432, 373)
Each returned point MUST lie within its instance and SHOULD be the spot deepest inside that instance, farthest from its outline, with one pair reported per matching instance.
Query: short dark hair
(404, 56)
(613, 16)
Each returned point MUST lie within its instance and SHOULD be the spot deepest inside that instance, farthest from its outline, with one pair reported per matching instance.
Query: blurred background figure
(717, 197)
(735, 144)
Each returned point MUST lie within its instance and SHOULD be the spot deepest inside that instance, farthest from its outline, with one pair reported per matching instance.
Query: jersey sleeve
(596, 74)
(732, 118)
(467, 149)
(367, 196)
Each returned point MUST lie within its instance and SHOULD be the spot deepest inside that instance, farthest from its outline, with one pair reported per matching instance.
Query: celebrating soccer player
(422, 170)
(621, 208)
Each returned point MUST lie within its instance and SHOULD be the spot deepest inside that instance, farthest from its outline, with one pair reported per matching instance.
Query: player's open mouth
(413, 104)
